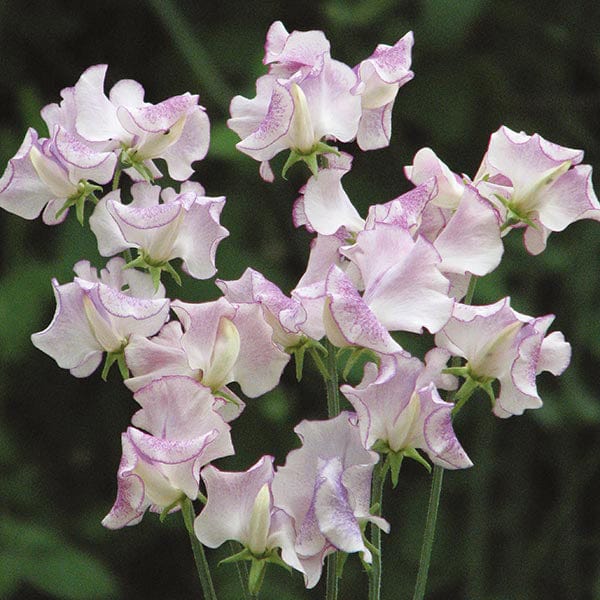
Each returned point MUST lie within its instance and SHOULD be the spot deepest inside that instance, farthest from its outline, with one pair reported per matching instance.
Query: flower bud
(302, 133)
(102, 329)
(260, 521)
(224, 355)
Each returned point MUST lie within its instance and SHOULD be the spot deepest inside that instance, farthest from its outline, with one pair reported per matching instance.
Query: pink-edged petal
(569, 199)
(441, 443)
(22, 192)
(131, 315)
(334, 110)
(149, 359)
(96, 115)
(555, 354)
(524, 158)
(296, 49)
(326, 205)
(404, 288)
(405, 211)
(156, 118)
(231, 497)
(387, 65)
(107, 231)
(258, 353)
(335, 517)
(69, 339)
(191, 146)
(131, 502)
(471, 242)
(201, 325)
(180, 408)
(82, 161)
(382, 396)
(264, 142)
(425, 165)
(127, 92)
(375, 127)
(349, 321)
(199, 236)
(284, 314)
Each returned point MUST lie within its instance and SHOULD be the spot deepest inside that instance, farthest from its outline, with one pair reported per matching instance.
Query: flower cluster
(408, 265)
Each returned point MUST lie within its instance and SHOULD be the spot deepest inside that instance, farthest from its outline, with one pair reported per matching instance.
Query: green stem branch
(379, 477)
(333, 409)
(187, 510)
(429, 535)
(434, 497)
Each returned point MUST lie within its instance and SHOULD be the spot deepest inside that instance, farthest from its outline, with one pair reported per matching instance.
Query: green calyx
(154, 268)
(258, 566)
(129, 159)
(85, 191)
(316, 351)
(394, 460)
(359, 356)
(115, 357)
(310, 158)
(471, 383)
(514, 216)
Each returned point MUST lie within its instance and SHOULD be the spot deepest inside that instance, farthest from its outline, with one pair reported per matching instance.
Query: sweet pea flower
(325, 487)
(184, 225)
(379, 78)
(221, 342)
(52, 175)
(285, 315)
(545, 186)
(323, 205)
(176, 130)
(305, 99)
(240, 507)
(162, 466)
(94, 315)
(398, 405)
(500, 343)
(450, 186)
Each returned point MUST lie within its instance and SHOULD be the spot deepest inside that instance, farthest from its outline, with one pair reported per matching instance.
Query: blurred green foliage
(524, 522)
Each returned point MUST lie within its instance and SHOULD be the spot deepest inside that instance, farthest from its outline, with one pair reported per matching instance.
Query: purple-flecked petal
(348, 319)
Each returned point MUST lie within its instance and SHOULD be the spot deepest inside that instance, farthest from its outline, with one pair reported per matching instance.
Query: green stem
(116, 178)
(332, 578)
(187, 510)
(379, 477)
(465, 392)
(434, 496)
(333, 409)
(331, 383)
(429, 535)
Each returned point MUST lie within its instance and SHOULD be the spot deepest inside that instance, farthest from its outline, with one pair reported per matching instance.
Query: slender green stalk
(428, 536)
(332, 578)
(116, 178)
(331, 383)
(379, 477)
(187, 510)
(333, 409)
(436, 490)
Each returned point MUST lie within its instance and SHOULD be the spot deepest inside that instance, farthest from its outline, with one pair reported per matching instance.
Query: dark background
(524, 523)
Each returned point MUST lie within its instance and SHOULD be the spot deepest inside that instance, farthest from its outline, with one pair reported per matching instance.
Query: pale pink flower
(500, 343)
(95, 315)
(161, 465)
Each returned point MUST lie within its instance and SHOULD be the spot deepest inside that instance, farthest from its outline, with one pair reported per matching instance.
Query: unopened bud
(260, 522)
(302, 133)
(224, 355)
